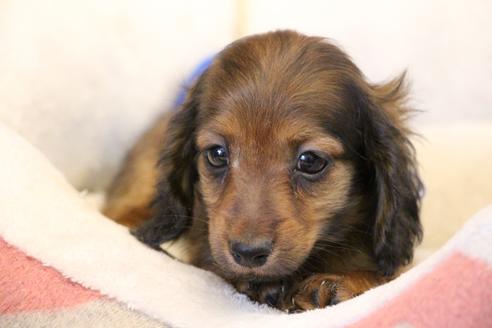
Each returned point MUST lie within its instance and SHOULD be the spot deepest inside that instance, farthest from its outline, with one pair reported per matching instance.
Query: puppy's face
(283, 145)
(269, 182)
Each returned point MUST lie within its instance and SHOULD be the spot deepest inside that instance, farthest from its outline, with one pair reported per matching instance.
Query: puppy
(285, 171)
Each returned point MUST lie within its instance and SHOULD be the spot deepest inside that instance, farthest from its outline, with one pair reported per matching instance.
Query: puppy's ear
(173, 205)
(395, 183)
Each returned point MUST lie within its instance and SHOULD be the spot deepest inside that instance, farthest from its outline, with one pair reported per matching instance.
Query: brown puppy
(288, 174)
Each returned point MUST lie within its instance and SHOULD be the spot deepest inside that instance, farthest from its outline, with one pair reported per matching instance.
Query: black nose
(252, 254)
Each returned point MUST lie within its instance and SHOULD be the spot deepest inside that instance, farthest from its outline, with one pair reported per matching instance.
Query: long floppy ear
(173, 205)
(395, 182)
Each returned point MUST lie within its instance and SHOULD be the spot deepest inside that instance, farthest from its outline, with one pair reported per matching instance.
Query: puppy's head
(276, 141)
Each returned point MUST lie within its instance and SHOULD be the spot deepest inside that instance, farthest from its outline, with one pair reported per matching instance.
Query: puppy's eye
(310, 163)
(217, 157)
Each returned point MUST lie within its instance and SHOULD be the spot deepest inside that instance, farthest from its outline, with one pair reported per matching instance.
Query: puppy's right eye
(217, 157)
(310, 163)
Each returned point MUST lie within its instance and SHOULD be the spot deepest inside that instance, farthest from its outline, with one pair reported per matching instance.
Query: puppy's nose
(251, 254)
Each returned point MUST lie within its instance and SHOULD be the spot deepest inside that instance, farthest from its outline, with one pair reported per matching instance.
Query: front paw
(317, 291)
(320, 290)
(272, 293)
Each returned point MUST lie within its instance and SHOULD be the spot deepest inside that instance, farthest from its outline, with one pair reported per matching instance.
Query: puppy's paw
(317, 291)
(272, 293)
(321, 290)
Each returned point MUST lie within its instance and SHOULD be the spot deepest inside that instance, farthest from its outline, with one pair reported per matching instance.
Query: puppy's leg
(320, 290)
(132, 191)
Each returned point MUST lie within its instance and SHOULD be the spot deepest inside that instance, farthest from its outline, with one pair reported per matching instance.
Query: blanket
(62, 263)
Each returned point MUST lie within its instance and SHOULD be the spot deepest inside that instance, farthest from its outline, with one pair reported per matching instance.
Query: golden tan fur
(128, 198)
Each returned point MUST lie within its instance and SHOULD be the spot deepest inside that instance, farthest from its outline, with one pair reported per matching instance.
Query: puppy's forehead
(280, 69)
(267, 132)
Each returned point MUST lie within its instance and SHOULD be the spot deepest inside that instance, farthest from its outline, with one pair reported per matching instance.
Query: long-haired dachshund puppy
(287, 173)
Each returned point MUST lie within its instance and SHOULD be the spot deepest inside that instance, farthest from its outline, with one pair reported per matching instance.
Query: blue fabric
(188, 82)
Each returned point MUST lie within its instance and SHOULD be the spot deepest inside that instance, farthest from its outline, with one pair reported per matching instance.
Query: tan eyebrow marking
(330, 145)
(206, 138)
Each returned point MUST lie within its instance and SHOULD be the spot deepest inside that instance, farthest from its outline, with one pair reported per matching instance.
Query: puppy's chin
(275, 268)
(257, 274)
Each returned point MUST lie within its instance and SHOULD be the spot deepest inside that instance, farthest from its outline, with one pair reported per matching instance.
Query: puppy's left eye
(217, 156)
(310, 163)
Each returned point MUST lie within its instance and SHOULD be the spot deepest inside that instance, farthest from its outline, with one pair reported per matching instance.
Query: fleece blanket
(63, 264)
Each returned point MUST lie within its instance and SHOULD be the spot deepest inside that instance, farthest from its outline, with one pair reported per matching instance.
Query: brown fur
(266, 99)
(133, 189)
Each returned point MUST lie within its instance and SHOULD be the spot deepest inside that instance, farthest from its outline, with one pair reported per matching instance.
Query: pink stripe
(458, 293)
(27, 285)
